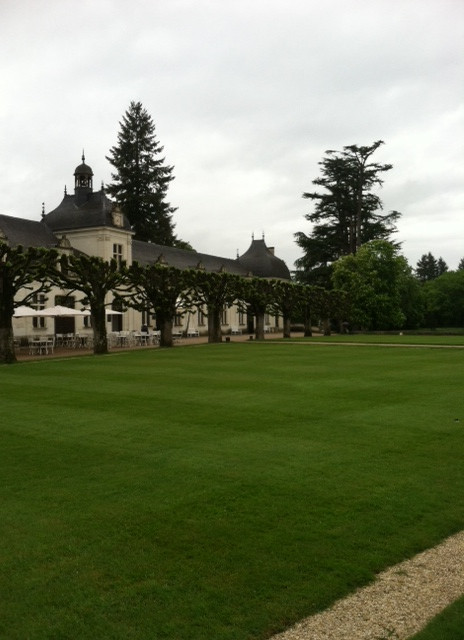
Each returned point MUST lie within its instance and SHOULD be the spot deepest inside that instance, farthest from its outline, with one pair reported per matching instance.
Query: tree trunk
(214, 325)
(308, 332)
(326, 326)
(165, 325)
(259, 331)
(287, 330)
(7, 352)
(100, 340)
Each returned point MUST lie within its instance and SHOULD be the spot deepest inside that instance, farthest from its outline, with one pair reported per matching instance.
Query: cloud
(246, 98)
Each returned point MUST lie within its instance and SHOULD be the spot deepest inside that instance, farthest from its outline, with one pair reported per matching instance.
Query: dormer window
(117, 217)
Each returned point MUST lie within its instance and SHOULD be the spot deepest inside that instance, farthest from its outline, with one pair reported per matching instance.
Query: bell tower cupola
(83, 182)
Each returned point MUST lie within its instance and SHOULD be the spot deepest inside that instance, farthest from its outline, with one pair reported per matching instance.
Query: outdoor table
(42, 345)
(123, 339)
(80, 342)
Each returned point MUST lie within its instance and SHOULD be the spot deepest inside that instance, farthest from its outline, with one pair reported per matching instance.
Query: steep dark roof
(28, 233)
(263, 263)
(148, 253)
(83, 169)
(94, 212)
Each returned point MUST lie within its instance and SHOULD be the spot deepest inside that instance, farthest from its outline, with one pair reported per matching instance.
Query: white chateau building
(87, 221)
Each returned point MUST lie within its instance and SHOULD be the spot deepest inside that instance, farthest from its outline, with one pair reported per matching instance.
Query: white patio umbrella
(109, 312)
(60, 311)
(24, 312)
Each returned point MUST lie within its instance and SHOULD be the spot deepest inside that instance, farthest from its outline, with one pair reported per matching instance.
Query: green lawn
(446, 626)
(393, 339)
(219, 492)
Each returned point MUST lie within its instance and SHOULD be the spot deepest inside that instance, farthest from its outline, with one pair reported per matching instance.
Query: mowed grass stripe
(219, 492)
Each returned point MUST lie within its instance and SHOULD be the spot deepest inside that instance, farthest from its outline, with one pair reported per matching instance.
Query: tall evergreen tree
(347, 213)
(442, 267)
(142, 178)
(429, 268)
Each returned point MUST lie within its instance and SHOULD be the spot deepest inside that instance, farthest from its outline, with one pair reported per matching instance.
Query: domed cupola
(83, 183)
(261, 261)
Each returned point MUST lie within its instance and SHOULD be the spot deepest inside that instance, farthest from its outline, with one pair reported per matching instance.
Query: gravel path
(401, 601)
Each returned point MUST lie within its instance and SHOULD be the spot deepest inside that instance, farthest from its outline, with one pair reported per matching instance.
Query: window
(38, 303)
(201, 318)
(178, 320)
(241, 318)
(117, 254)
(65, 301)
(224, 315)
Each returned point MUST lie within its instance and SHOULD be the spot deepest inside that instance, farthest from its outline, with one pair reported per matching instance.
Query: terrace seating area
(74, 340)
(41, 345)
(133, 338)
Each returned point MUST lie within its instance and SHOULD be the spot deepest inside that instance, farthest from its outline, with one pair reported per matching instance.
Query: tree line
(163, 291)
(351, 273)
(350, 247)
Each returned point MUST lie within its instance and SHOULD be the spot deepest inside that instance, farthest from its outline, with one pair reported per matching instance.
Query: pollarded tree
(309, 307)
(347, 213)
(214, 292)
(257, 296)
(287, 300)
(23, 274)
(141, 180)
(161, 289)
(95, 278)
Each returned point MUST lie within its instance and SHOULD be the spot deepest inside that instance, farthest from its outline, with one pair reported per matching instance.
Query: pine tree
(347, 213)
(442, 267)
(428, 267)
(142, 178)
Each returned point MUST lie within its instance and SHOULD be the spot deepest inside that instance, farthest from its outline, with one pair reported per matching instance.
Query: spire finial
(65, 191)
(253, 235)
(83, 157)
(43, 209)
(263, 234)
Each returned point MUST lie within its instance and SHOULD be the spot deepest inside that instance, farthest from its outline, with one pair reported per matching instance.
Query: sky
(246, 97)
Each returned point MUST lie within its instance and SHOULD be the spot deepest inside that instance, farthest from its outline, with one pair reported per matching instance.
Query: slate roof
(262, 262)
(27, 233)
(91, 209)
(94, 212)
(83, 169)
(149, 253)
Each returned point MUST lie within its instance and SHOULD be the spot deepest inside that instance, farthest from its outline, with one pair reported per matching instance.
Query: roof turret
(83, 169)
(261, 261)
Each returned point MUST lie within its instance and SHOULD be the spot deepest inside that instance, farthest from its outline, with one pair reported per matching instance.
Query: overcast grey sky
(246, 96)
